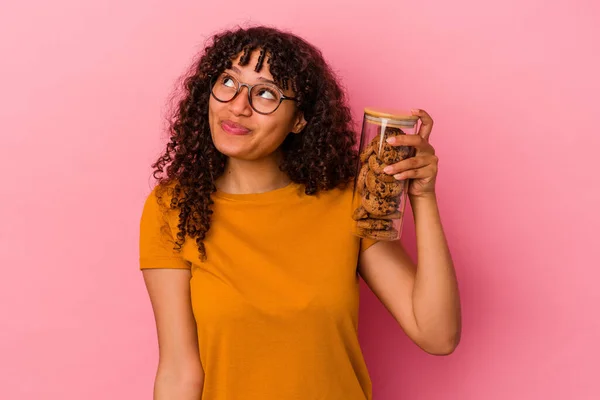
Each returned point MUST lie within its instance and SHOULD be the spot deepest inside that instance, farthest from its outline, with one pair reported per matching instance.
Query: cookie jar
(379, 199)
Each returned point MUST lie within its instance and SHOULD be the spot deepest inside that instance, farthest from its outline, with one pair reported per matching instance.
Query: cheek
(273, 132)
(278, 124)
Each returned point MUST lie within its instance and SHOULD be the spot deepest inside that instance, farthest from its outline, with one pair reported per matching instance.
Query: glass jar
(379, 199)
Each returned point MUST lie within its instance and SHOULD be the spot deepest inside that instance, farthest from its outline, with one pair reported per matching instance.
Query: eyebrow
(260, 78)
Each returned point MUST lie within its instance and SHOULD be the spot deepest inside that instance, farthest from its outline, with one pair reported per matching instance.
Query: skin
(253, 159)
(424, 298)
(179, 374)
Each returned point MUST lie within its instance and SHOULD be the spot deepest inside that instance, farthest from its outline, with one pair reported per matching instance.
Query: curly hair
(322, 157)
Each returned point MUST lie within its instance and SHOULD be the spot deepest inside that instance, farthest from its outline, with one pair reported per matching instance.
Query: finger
(419, 173)
(407, 140)
(415, 141)
(409, 163)
(426, 123)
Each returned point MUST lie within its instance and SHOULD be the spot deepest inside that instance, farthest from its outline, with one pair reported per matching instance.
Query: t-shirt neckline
(274, 194)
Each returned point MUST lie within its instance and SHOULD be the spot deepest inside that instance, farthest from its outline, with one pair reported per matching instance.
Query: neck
(256, 176)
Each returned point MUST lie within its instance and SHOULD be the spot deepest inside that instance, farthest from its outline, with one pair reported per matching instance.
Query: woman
(245, 244)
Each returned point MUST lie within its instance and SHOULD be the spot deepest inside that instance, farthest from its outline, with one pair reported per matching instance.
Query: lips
(233, 128)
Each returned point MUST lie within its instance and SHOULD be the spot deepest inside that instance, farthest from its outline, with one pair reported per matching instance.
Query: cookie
(389, 132)
(377, 144)
(362, 176)
(364, 156)
(378, 206)
(405, 152)
(382, 188)
(360, 213)
(393, 131)
(395, 215)
(379, 234)
(375, 164)
(390, 155)
(387, 153)
(377, 167)
(375, 224)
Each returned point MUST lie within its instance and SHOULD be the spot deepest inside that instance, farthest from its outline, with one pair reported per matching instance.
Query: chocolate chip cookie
(378, 206)
(379, 234)
(361, 213)
(377, 167)
(361, 180)
(375, 224)
(382, 188)
(366, 153)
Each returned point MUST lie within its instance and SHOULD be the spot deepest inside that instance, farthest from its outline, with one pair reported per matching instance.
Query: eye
(267, 93)
(228, 81)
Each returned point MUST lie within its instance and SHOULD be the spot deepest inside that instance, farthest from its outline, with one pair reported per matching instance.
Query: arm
(424, 299)
(179, 375)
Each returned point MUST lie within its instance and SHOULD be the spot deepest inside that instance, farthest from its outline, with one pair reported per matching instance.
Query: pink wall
(513, 89)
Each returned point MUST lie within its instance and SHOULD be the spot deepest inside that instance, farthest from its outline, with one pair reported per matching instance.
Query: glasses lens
(225, 87)
(265, 98)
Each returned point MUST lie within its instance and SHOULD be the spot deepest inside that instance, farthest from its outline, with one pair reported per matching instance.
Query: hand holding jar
(395, 160)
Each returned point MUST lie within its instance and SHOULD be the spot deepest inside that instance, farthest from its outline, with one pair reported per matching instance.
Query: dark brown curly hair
(322, 157)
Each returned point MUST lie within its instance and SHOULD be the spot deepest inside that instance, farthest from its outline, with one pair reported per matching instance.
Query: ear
(299, 123)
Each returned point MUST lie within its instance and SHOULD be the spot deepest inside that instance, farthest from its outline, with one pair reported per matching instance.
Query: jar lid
(394, 117)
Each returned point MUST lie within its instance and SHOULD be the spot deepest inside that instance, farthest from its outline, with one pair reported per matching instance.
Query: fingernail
(415, 110)
(387, 170)
(390, 140)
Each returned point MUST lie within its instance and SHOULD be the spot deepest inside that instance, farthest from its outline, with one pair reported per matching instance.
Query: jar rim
(391, 122)
(396, 115)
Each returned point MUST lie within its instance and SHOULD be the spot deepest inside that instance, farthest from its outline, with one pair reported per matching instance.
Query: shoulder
(157, 204)
(162, 194)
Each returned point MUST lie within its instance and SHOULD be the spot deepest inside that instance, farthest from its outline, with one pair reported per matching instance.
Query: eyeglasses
(262, 97)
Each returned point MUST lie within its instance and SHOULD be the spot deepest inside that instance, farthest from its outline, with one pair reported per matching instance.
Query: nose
(240, 105)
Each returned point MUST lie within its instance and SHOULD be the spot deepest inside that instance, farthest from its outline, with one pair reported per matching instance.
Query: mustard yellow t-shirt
(276, 302)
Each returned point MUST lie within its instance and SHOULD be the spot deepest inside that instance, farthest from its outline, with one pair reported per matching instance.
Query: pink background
(513, 89)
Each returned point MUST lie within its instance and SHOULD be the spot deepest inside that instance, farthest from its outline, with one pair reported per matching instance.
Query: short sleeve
(156, 244)
(366, 243)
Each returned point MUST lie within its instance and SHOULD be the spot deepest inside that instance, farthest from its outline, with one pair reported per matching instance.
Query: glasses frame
(240, 85)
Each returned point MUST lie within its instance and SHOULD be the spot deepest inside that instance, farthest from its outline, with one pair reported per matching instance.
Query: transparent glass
(379, 199)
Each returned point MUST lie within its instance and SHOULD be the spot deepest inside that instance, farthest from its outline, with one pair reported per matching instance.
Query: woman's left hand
(423, 167)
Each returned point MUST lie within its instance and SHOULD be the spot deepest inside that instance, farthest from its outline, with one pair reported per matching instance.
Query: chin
(231, 149)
